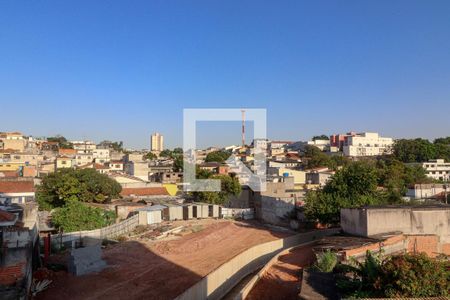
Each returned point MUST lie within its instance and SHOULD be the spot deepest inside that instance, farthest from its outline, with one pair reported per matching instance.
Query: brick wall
(10, 274)
(424, 243)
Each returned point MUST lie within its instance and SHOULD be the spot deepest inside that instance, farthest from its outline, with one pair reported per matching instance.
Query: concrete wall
(408, 220)
(219, 282)
(274, 210)
(98, 234)
(354, 221)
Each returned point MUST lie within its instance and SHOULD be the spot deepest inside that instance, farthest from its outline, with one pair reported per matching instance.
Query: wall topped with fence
(111, 231)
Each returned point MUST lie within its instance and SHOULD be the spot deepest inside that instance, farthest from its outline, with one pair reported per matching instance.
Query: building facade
(157, 142)
(437, 169)
(367, 144)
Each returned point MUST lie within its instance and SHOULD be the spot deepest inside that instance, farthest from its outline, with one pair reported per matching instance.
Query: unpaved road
(162, 270)
(283, 279)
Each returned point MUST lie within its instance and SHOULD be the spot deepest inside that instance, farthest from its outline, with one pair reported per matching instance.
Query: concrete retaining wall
(249, 286)
(219, 282)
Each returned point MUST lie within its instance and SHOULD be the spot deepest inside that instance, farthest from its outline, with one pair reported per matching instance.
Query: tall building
(157, 142)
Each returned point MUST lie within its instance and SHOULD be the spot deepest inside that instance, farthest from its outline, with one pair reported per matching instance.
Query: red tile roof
(146, 191)
(16, 186)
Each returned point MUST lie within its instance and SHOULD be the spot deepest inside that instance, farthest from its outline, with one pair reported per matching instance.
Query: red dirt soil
(162, 270)
(283, 279)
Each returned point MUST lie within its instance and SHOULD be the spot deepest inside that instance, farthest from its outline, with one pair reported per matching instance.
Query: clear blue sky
(120, 70)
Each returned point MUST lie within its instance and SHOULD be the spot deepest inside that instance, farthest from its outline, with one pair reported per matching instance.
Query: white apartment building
(84, 146)
(437, 169)
(157, 142)
(82, 159)
(101, 155)
(321, 144)
(367, 144)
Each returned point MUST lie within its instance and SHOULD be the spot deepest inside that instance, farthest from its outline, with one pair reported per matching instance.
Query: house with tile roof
(16, 191)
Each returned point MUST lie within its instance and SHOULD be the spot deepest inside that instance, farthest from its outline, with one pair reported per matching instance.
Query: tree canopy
(76, 216)
(63, 143)
(116, 146)
(320, 137)
(365, 182)
(421, 150)
(150, 156)
(85, 185)
(229, 186)
(314, 158)
(217, 156)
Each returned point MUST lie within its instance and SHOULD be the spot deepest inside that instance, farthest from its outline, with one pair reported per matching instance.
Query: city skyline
(90, 71)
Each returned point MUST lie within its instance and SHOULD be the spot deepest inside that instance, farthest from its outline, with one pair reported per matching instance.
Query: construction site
(140, 266)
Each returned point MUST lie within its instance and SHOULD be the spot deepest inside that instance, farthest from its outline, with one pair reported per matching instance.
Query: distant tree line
(421, 150)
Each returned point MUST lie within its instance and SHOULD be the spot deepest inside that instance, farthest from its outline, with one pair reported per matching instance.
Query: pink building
(338, 140)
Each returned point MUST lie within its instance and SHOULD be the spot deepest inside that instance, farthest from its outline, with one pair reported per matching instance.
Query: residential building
(101, 156)
(167, 177)
(11, 166)
(367, 144)
(19, 237)
(298, 175)
(139, 169)
(67, 152)
(84, 146)
(157, 142)
(13, 141)
(428, 191)
(278, 200)
(83, 159)
(63, 162)
(323, 145)
(279, 144)
(318, 176)
(437, 169)
(101, 168)
(16, 191)
(338, 140)
(116, 165)
(261, 144)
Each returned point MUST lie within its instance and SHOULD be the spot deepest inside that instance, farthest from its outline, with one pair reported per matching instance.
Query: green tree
(320, 137)
(76, 216)
(149, 156)
(116, 146)
(63, 143)
(178, 164)
(417, 150)
(217, 156)
(229, 186)
(166, 153)
(86, 185)
(398, 276)
(352, 186)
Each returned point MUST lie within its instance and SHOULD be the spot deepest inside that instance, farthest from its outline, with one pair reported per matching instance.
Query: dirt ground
(161, 270)
(283, 279)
